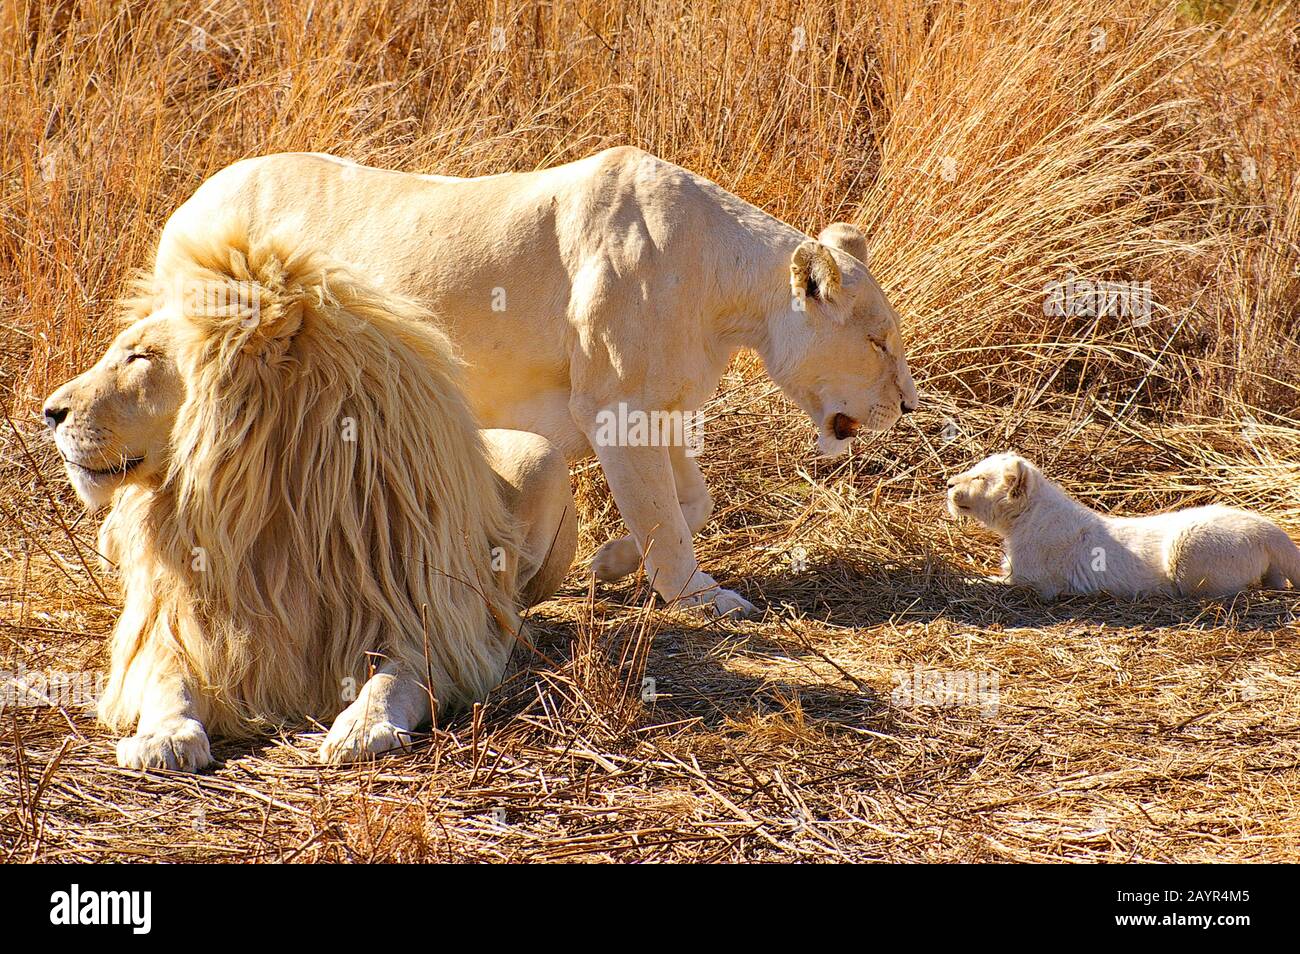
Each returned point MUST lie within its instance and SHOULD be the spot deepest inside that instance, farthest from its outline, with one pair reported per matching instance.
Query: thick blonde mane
(327, 505)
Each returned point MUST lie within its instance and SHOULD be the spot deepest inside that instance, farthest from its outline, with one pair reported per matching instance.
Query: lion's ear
(257, 318)
(813, 272)
(845, 237)
(276, 321)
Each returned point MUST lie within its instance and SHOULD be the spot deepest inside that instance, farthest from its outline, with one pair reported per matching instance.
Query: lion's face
(851, 372)
(995, 491)
(111, 424)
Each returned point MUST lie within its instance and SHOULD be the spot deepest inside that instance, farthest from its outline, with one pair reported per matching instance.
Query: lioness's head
(112, 423)
(840, 353)
(995, 491)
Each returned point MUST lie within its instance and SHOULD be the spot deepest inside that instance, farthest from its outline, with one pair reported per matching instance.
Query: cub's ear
(1017, 477)
(845, 237)
(813, 272)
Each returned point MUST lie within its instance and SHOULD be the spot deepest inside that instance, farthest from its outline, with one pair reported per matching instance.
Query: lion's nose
(906, 408)
(952, 481)
(54, 415)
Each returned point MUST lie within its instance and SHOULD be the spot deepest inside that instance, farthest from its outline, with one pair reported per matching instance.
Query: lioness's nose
(907, 408)
(54, 415)
(952, 481)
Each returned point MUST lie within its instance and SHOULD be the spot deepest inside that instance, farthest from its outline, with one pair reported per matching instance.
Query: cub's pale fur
(300, 495)
(616, 280)
(1056, 545)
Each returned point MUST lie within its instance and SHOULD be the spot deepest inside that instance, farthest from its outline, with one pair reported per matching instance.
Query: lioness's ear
(845, 237)
(813, 272)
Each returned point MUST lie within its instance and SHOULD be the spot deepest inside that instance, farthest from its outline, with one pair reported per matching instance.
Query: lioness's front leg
(168, 734)
(621, 556)
(641, 480)
(390, 706)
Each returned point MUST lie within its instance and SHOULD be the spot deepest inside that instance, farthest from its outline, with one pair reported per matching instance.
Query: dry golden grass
(987, 148)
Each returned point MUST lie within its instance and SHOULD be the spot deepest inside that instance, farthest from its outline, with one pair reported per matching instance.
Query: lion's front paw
(616, 559)
(180, 746)
(353, 737)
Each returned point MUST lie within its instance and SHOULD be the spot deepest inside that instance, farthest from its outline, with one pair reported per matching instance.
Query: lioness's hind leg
(616, 559)
(390, 706)
(534, 480)
(1217, 566)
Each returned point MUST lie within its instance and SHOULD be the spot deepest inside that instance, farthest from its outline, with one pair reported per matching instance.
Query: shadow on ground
(844, 593)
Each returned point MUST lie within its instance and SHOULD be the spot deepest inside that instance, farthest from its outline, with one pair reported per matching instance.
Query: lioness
(1056, 545)
(619, 283)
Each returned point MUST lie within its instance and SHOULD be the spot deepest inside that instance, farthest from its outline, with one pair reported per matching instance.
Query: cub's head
(112, 423)
(995, 491)
(839, 353)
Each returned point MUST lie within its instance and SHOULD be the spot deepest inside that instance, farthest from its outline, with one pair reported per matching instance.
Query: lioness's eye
(135, 356)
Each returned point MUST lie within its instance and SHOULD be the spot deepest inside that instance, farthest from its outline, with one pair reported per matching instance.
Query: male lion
(299, 496)
(619, 283)
(1056, 545)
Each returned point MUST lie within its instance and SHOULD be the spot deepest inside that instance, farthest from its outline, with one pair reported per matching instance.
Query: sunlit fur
(322, 553)
(1057, 545)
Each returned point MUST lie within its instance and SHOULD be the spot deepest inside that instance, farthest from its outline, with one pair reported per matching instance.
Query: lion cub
(1056, 545)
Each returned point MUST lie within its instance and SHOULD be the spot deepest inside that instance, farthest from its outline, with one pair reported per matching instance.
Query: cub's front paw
(616, 559)
(180, 746)
(358, 735)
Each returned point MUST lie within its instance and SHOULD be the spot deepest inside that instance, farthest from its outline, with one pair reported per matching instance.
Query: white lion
(306, 520)
(616, 281)
(1056, 545)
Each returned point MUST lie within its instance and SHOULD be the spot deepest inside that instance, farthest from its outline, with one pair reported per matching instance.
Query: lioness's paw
(616, 559)
(722, 602)
(352, 738)
(181, 746)
(731, 603)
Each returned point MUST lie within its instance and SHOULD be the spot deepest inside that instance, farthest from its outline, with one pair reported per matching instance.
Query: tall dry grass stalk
(987, 148)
